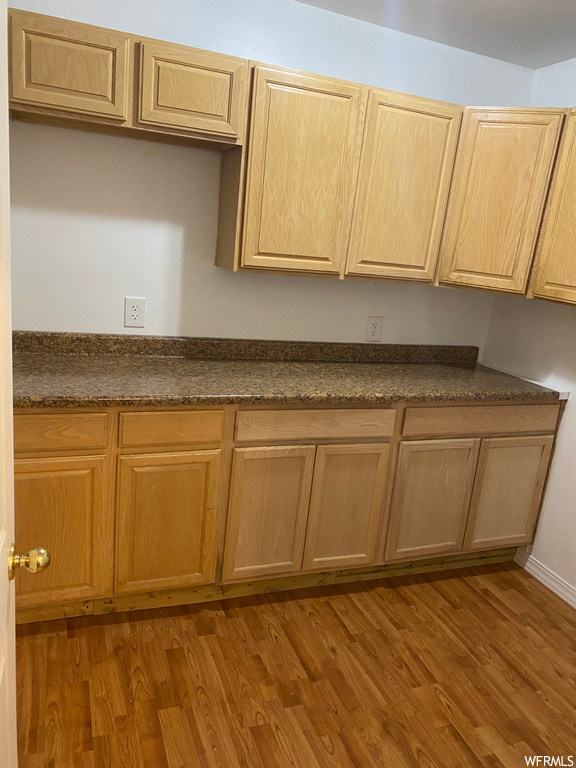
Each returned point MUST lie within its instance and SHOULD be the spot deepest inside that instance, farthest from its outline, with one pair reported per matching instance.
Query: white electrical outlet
(374, 329)
(134, 312)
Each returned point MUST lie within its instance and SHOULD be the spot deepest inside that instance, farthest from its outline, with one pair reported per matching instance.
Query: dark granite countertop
(44, 379)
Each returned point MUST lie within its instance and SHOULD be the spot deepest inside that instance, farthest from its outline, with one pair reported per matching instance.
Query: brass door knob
(35, 561)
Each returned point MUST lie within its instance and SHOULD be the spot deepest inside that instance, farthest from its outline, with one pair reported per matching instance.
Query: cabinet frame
(546, 442)
(556, 225)
(393, 554)
(229, 124)
(101, 543)
(551, 122)
(24, 23)
(377, 506)
(126, 489)
(230, 571)
(265, 78)
(359, 262)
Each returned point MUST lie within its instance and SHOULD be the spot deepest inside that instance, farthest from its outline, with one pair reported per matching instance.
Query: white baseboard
(546, 576)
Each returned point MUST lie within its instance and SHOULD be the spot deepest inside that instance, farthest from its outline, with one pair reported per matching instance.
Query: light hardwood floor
(468, 668)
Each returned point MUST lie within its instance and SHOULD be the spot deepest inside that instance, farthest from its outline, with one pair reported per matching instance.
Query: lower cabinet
(463, 495)
(292, 509)
(304, 508)
(268, 511)
(508, 489)
(346, 506)
(61, 505)
(432, 493)
(166, 520)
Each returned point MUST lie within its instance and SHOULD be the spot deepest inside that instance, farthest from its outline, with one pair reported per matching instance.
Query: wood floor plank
(465, 669)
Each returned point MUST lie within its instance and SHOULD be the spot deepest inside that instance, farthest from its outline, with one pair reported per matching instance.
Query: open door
(8, 755)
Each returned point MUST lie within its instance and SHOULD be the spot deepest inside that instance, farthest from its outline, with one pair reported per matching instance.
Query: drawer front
(56, 431)
(171, 428)
(314, 425)
(481, 419)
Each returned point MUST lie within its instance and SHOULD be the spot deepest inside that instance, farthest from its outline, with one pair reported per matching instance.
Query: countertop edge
(21, 402)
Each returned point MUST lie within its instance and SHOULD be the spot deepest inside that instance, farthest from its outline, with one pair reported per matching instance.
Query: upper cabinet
(501, 180)
(337, 179)
(184, 88)
(68, 66)
(64, 70)
(304, 142)
(406, 167)
(556, 277)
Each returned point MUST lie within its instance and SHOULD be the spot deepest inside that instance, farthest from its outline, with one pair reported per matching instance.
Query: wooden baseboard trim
(212, 592)
(246, 589)
(58, 611)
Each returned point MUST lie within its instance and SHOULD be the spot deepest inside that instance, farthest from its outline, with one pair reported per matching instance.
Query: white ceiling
(533, 33)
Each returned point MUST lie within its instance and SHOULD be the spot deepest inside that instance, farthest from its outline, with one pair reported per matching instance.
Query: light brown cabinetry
(66, 72)
(501, 180)
(305, 133)
(470, 494)
(68, 66)
(166, 520)
(309, 424)
(346, 506)
(468, 421)
(268, 510)
(465, 478)
(432, 492)
(507, 491)
(61, 504)
(408, 154)
(556, 277)
(168, 428)
(187, 88)
(60, 432)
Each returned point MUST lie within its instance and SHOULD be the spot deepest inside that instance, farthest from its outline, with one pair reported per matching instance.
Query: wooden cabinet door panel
(501, 179)
(303, 152)
(166, 520)
(431, 497)
(556, 278)
(61, 505)
(268, 511)
(191, 89)
(346, 506)
(507, 491)
(405, 171)
(69, 66)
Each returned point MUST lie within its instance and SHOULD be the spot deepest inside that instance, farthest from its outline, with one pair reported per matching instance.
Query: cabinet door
(61, 504)
(166, 520)
(68, 66)
(405, 172)
(501, 179)
(507, 491)
(556, 278)
(268, 511)
(194, 90)
(431, 497)
(346, 506)
(299, 193)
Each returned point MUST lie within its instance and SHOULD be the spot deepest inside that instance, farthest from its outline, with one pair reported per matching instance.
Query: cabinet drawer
(171, 428)
(314, 425)
(482, 419)
(60, 431)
